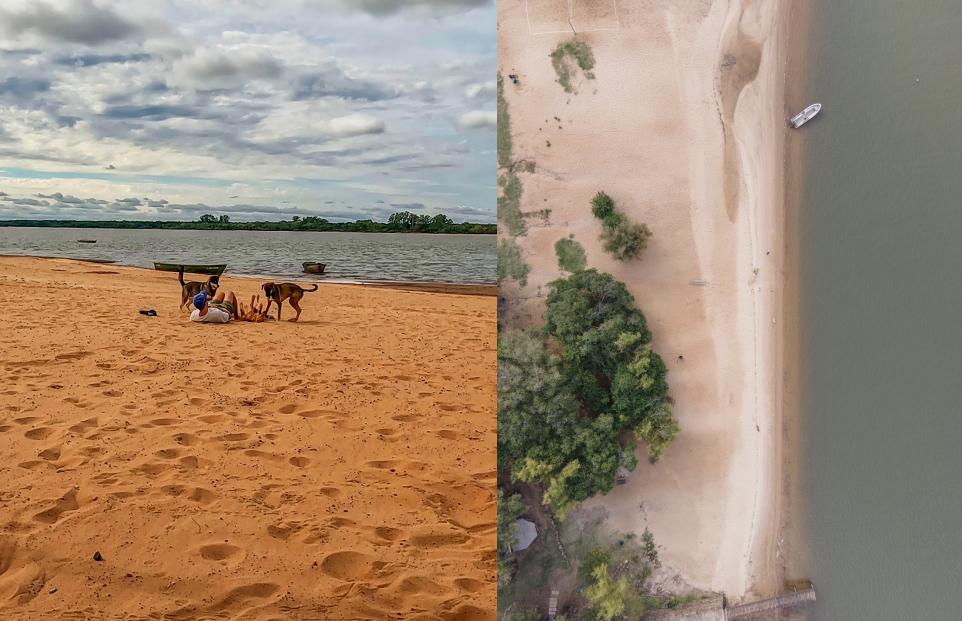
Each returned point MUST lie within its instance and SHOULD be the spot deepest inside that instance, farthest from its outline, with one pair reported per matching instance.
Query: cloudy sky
(260, 109)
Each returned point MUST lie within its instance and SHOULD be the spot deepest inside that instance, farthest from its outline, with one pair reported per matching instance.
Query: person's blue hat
(200, 300)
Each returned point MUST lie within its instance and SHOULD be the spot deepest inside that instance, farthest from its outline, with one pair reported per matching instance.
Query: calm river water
(350, 256)
(881, 310)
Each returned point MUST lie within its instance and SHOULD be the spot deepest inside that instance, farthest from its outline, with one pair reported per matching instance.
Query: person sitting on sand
(221, 309)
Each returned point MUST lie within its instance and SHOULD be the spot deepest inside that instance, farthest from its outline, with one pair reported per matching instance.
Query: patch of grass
(580, 52)
(504, 127)
(510, 263)
(509, 204)
(524, 166)
(571, 256)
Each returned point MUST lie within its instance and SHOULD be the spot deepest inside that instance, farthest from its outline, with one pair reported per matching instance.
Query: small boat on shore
(206, 269)
(314, 268)
(86, 241)
(805, 115)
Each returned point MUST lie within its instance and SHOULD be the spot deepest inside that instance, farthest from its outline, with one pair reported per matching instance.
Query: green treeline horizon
(400, 222)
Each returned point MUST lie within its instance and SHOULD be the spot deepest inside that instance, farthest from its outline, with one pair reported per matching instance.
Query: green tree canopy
(624, 240)
(571, 396)
(510, 509)
(536, 407)
(613, 600)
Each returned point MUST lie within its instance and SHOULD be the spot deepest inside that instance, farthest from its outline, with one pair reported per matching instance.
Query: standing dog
(191, 288)
(278, 292)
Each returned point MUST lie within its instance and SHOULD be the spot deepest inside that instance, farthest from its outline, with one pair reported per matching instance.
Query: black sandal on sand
(150, 312)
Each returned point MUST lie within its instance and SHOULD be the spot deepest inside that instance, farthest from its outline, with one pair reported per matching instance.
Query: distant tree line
(400, 222)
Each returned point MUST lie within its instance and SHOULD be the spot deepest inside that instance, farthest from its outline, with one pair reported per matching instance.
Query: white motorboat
(805, 115)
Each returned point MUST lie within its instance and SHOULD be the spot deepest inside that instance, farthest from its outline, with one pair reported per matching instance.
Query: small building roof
(527, 532)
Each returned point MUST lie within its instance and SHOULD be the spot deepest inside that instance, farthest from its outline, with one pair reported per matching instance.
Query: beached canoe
(209, 270)
(314, 268)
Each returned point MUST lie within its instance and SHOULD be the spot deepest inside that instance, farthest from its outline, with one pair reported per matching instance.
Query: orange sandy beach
(341, 467)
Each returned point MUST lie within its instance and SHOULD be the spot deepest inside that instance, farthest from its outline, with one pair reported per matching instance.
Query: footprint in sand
(263, 455)
(50, 454)
(330, 492)
(163, 422)
(300, 462)
(83, 426)
(431, 538)
(151, 469)
(420, 585)
(244, 596)
(283, 531)
(469, 584)
(26, 420)
(203, 496)
(467, 612)
(33, 464)
(348, 566)
(38, 433)
(388, 534)
(173, 490)
(382, 464)
(92, 451)
(316, 536)
(186, 439)
(21, 578)
(169, 453)
(190, 462)
(65, 504)
(221, 552)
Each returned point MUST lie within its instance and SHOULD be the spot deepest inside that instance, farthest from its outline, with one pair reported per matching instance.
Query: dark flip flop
(150, 312)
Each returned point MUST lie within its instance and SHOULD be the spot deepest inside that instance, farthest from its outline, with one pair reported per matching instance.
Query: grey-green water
(349, 256)
(881, 310)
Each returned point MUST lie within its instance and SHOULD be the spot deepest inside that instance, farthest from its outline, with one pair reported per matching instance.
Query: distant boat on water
(87, 241)
(210, 270)
(314, 268)
(805, 115)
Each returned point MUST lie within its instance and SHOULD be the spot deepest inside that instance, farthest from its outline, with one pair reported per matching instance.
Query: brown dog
(278, 292)
(191, 288)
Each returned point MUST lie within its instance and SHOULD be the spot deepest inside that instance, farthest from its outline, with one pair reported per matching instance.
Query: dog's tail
(314, 289)
(180, 275)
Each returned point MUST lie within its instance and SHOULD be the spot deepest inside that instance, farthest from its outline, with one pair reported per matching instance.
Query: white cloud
(180, 99)
(484, 91)
(356, 125)
(479, 119)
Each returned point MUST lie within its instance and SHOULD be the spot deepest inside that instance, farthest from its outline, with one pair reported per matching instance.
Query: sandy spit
(683, 126)
(341, 467)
